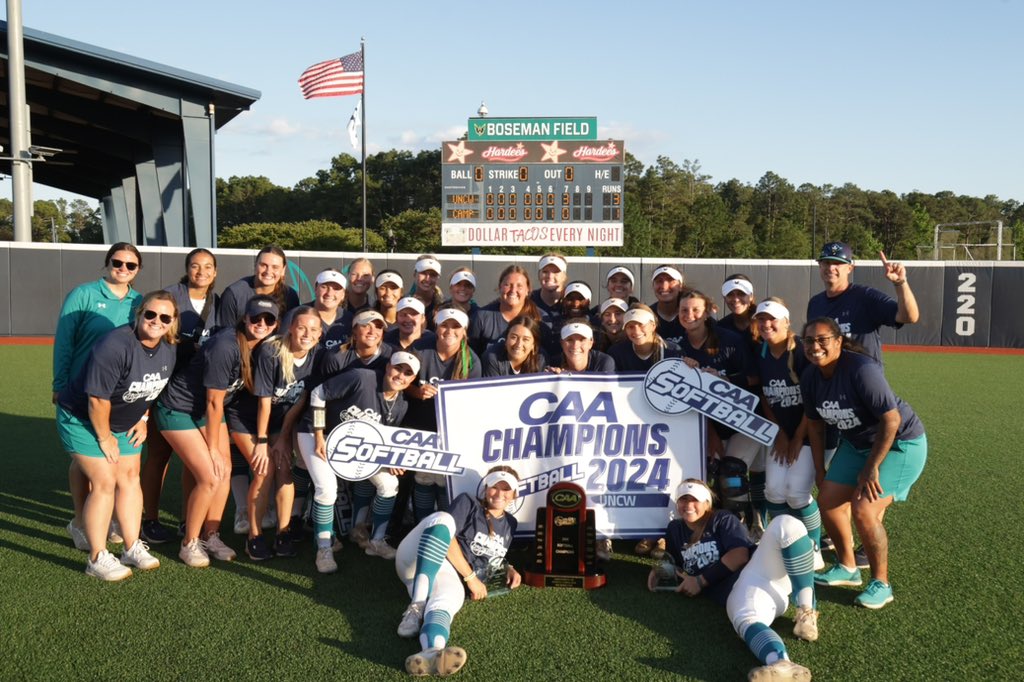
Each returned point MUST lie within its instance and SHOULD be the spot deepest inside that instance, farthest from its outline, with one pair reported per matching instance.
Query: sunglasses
(152, 315)
(810, 341)
(265, 318)
(127, 264)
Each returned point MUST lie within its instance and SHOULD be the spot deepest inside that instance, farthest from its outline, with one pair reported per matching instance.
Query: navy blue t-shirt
(626, 359)
(427, 339)
(355, 394)
(496, 362)
(422, 414)
(193, 327)
(217, 366)
(484, 541)
(780, 390)
(723, 533)
(860, 312)
(488, 326)
(733, 356)
(120, 369)
(671, 330)
(269, 381)
(343, 360)
(596, 362)
(854, 399)
(237, 295)
(550, 323)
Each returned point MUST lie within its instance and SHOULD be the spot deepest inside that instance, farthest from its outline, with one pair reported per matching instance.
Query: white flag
(354, 123)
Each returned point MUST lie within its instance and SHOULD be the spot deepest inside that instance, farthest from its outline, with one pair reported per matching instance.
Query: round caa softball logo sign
(662, 382)
(349, 445)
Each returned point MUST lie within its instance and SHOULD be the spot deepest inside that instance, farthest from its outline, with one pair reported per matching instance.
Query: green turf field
(955, 566)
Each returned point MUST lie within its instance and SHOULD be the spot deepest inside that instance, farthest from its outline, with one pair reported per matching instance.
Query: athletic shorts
(899, 471)
(173, 420)
(79, 438)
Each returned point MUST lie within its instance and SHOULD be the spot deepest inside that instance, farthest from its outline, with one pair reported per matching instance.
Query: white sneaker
(78, 537)
(269, 520)
(114, 534)
(216, 548)
(806, 625)
(440, 662)
(241, 522)
(107, 567)
(604, 549)
(412, 619)
(325, 562)
(380, 548)
(782, 669)
(138, 555)
(194, 555)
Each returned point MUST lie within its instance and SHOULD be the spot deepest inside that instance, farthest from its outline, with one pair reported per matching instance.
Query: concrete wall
(962, 303)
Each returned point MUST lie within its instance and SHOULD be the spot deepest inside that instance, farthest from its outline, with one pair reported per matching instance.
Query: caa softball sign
(598, 431)
(358, 449)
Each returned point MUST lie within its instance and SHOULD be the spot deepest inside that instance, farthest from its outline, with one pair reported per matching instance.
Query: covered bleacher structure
(136, 135)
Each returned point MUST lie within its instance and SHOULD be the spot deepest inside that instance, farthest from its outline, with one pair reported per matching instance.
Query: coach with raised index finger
(860, 311)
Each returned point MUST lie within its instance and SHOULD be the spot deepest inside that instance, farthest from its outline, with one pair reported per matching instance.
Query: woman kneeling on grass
(714, 556)
(101, 419)
(882, 452)
(449, 555)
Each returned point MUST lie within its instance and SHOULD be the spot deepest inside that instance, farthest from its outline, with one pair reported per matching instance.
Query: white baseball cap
(445, 314)
(496, 477)
(389, 277)
(462, 276)
(578, 288)
(776, 310)
(620, 270)
(580, 328)
(637, 315)
(424, 264)
(557, 261)
(368, 316)
(411, 302)
(732, 285)
(667, 270)
(331, 276)
(401, 357)
(613, 303)
(697, 491)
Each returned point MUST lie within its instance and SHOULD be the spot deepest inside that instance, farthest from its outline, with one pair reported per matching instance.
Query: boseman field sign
(532, 192)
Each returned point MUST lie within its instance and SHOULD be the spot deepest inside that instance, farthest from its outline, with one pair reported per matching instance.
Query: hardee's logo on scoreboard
(606, 152)
(506, 154)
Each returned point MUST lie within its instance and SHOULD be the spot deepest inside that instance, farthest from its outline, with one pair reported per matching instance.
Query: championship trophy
(665, 570)
(565, 542)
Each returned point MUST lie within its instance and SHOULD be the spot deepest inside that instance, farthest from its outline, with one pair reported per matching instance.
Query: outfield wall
(962, 303)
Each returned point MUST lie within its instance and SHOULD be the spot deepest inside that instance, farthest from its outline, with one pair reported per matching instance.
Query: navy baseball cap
(837, 251)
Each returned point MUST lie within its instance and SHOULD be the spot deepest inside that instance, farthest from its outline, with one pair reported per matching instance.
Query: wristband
(716, 573)
(262, 440)
(145, 417)
(469, 577)
(319, 418)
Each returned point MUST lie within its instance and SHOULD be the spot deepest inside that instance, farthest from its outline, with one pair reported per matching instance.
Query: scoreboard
(532, 193)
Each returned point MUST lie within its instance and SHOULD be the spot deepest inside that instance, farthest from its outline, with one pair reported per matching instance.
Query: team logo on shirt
(357, 449)
(492, 547)
(148, 389)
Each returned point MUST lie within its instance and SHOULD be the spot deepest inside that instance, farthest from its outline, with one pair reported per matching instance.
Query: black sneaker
(283, 545)
(295, 529)
(257, 549)
(826, 543)
(861, 557)
(155, 533)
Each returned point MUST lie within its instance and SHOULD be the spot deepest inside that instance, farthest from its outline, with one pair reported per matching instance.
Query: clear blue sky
(916, 95)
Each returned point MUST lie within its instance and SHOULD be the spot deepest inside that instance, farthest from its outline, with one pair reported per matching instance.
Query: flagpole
(362, 95)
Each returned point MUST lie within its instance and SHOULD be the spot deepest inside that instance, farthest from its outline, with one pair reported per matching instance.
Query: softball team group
(237, 384)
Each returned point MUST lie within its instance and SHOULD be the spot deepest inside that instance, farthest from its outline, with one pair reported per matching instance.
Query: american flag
(334, 78)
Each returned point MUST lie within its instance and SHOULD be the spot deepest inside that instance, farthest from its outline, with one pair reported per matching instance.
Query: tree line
(670, 208)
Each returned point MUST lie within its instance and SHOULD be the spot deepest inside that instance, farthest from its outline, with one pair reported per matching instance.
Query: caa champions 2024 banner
(598, 431)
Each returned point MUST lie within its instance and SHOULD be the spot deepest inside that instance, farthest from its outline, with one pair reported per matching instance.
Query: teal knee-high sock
(430, 556)
(811, 518)
(362, 493)
(381, 512)
(799, 561)
(765, 643)
(775, 509)
(423, 500)
(436, 629)
(323, 519)
(757, 501)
